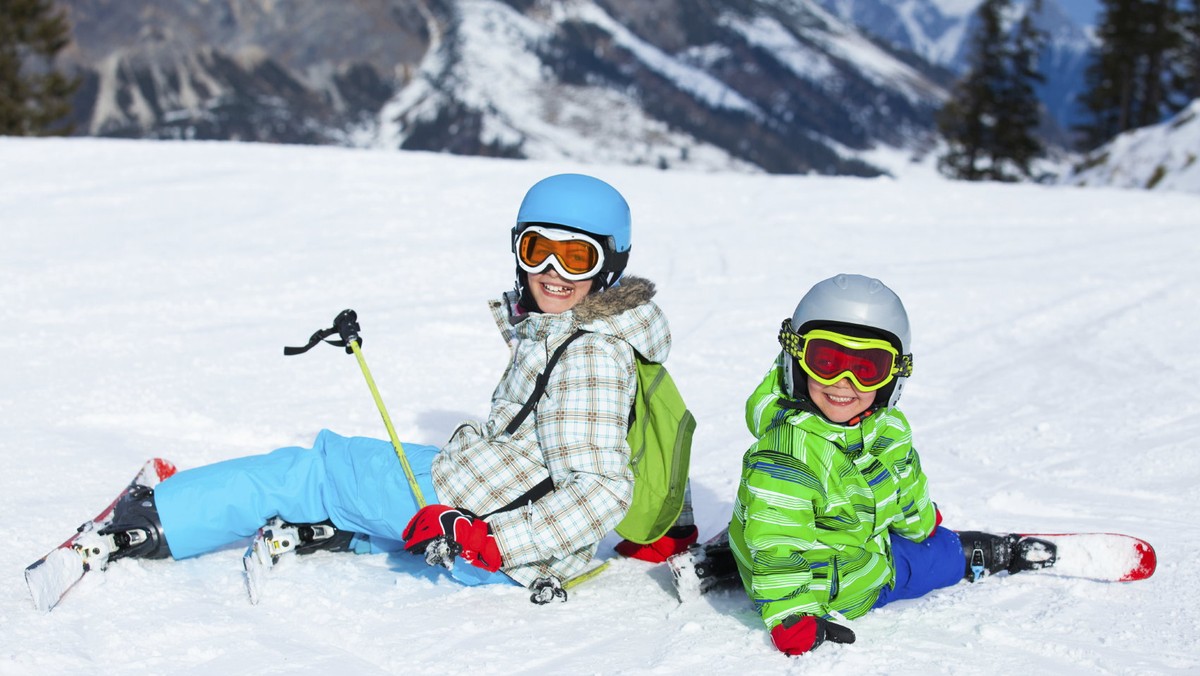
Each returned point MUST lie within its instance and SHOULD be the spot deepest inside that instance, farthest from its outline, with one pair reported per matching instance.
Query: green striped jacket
(816, 503)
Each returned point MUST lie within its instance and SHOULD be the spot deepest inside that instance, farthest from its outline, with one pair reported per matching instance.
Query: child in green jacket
(833, 515)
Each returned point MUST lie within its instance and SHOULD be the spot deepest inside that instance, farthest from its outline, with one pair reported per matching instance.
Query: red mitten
(798, 634)
(677, 539)
(440, 533)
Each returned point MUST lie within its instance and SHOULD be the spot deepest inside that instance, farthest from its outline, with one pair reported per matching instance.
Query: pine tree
(34, 97)
(1188, 59)
(991, 119)
(1020, 108)
(1138, 74)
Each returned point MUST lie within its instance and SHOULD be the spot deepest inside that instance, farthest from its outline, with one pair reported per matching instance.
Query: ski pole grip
(347, 327)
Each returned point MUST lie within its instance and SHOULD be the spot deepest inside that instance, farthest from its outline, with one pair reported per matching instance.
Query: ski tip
(1146, 565)
(52, 576)
(683, 574)
(163, 468)
(255, 569)
(42, 601)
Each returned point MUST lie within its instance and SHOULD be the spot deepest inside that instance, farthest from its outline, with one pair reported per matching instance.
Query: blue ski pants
(921, 567)
(356, 482)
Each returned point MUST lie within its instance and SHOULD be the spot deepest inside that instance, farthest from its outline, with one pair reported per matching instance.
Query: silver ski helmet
(578, 203)
(853, 305)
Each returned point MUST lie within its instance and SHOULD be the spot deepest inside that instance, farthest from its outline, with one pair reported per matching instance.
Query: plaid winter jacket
(816, 503)
(576, 434)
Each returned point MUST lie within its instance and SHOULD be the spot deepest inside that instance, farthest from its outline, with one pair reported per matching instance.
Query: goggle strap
(792, 343)
(616, 260)
(789, 340)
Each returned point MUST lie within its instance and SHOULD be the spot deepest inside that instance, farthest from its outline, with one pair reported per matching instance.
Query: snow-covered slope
(148, 288)
(1162, 157)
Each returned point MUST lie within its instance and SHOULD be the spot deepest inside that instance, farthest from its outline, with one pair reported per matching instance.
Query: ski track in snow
(148, 288)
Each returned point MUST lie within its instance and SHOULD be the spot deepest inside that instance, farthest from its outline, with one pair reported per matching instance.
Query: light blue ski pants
(356, 482)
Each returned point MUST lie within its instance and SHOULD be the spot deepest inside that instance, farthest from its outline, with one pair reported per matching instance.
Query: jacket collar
(625, 311)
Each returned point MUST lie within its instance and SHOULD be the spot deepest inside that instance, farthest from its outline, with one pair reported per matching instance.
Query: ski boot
(677, 539)
(135, 530)
(704, 567)
(988, 554)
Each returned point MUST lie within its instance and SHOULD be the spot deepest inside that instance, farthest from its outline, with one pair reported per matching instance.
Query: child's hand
(798, 634)
(441, 533)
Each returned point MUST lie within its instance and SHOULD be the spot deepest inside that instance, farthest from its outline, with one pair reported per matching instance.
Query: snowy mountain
(148, 288)
(240, 69)
(778, 86)
(1161, 157)
(940, 30)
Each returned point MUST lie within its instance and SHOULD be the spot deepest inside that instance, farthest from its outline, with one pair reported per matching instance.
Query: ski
(1104, 557)
(52, 576)
(278, 539)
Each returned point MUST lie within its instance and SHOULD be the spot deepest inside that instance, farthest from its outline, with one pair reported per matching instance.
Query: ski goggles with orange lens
(573, 254)
(827, 357)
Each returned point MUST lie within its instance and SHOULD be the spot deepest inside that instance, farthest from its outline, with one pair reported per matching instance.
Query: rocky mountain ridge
(940, 32)
(756, 85)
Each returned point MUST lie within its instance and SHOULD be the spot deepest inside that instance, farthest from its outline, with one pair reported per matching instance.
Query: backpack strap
(545, 486)
(539, 387)
(539, 491)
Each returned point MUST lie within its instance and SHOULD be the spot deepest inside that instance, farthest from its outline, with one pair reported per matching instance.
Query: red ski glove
(798, 634)
(441, 533)
(677, 539)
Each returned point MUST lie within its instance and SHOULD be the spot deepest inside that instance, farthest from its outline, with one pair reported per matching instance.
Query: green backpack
(660, 443)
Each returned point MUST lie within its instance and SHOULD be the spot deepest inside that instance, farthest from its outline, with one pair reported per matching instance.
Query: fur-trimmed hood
(625, 311)
(630, 293)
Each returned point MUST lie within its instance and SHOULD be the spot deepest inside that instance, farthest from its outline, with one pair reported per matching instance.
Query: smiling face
(553, 294)
(841, 401)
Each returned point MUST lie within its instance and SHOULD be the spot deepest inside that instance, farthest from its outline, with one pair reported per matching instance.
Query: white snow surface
(148, 288)
(1159, 157)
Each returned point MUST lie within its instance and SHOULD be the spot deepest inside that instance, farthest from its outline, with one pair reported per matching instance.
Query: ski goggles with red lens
(574, 255)
(828, 356)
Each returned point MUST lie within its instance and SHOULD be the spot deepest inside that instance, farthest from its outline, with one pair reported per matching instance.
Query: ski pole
(586, 575)
(549, 589)
(346, 326)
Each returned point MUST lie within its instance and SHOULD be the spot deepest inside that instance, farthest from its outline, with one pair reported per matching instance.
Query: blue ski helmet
(580, 202)
(584, 204)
